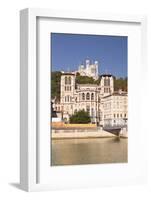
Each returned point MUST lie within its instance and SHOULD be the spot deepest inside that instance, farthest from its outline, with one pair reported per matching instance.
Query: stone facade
(115, 109)
(105, 106)
(89, 69)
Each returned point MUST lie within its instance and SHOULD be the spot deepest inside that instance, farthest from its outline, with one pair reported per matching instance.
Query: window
(66, 80)
(83, 96)
(92, 97)
(68, 98)
(117, 115)
(121, 115)
(88, 96)
(69, 80)
(106, 82)
(114, 115)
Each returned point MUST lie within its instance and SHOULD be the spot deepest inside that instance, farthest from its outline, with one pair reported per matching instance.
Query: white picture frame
(29, 83)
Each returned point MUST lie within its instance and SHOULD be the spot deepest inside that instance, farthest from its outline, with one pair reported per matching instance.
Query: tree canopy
(86, 80)
(55, 85)
(80, 117)
(120, 83)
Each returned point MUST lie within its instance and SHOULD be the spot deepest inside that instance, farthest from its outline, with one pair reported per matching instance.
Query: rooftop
(117, 94)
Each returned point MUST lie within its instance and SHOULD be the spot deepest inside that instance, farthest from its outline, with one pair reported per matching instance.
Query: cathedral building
(96, 99)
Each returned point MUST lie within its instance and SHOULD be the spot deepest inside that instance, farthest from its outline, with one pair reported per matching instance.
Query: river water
(89, 151)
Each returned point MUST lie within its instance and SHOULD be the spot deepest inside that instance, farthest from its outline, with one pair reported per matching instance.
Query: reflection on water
(89, 151)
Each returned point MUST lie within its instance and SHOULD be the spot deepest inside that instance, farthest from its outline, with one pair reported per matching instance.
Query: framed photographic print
(81, 87)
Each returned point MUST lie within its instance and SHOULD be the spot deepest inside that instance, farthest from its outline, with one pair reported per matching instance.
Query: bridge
(116, 130)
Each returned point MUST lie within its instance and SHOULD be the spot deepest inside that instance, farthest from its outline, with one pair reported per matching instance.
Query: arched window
(66, 80)
(88, 96)
(83, 96)
(106, 82)
(92, 97)
(69, 80)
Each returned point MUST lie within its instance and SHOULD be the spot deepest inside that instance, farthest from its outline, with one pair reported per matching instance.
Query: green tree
(120, 83)
(55, 85)
(84, 79)
(80, 117)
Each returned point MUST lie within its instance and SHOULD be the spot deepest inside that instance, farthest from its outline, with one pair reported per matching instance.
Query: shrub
(80, 117)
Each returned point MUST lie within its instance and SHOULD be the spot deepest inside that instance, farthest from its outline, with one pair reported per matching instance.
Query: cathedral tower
(67, 87)
(107, 84)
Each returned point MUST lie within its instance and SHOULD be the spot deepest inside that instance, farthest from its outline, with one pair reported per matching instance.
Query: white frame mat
(34, 172)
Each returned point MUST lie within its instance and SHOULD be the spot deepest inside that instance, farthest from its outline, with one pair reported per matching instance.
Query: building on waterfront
(115, 109)
(104, 105)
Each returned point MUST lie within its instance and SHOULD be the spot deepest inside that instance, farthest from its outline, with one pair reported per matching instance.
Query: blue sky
(70, 50)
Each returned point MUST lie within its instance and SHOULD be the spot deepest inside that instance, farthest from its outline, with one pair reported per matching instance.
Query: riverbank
(81, 134)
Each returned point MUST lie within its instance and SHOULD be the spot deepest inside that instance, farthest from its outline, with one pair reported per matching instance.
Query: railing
(115, 126)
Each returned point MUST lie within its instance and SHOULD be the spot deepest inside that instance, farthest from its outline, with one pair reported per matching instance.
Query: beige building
(115, 109)
(98, 100)
(89, 69)
(105, 107)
